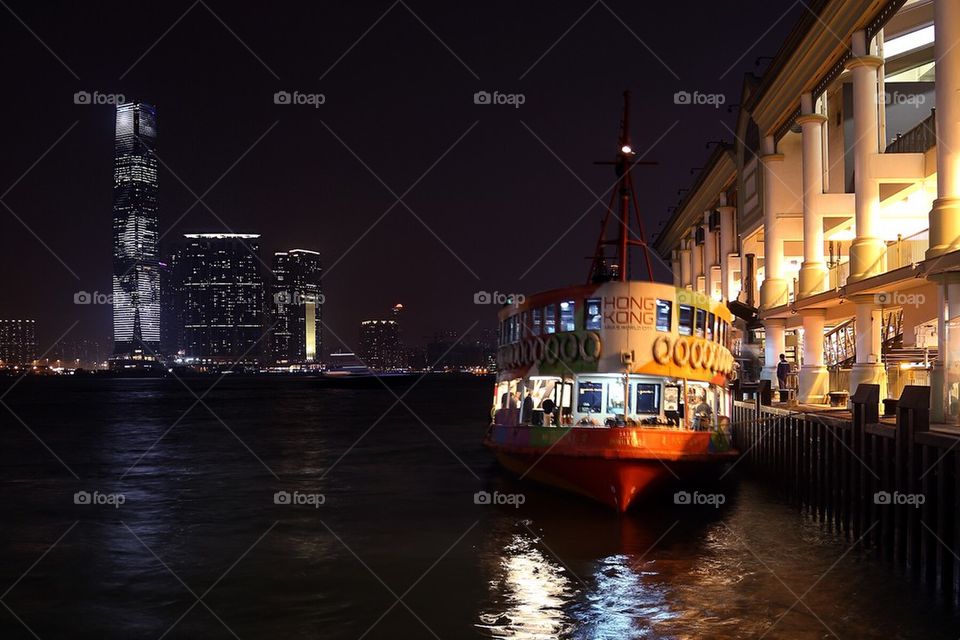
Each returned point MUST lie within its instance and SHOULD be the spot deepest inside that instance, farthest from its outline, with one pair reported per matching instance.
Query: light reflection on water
(533, 591)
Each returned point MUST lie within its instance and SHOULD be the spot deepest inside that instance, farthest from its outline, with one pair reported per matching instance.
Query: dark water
(398, 549)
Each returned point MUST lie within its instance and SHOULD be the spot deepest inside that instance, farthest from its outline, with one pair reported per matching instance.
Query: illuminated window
(566, 316)
(592, 316)
(648, 398)
(701, 325)
(615, 397)
(711, 326)
(664, 313)
(550, 318)
(686, 320)
(589, 397)
(537, 319)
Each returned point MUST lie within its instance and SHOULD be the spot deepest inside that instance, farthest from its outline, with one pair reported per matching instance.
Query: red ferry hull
(614, 466)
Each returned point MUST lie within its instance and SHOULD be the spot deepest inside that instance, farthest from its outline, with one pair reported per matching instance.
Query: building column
(774, 343)
(697, 259)
(728, 246)
(866, 251)
(945, 377)
(945, 214)
(868, 368)
(813, 271)
(709, 255)
(774, 290)
(675, 268)
(686, 264)
(814, 377)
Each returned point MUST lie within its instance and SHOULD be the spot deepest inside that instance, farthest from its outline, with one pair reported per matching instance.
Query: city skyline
(237, 157)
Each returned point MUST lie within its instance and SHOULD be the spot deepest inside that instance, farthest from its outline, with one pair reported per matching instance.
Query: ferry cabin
(614, 354)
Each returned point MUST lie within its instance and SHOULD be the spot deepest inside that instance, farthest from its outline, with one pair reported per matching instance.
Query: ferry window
(550, 319)
(593, 315)
(701, 324)
(524, 324)
(711, 326)
(589, 397)
(566, 316)
(648, 398)
(535, 326)
(615, 397)
(686, 320)
(664, 314)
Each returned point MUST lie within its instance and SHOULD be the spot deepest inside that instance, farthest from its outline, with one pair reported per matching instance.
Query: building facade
(296, 308)
(220, 287)
(18, 342)
(831, 223)
(381, 346)
(136, 279)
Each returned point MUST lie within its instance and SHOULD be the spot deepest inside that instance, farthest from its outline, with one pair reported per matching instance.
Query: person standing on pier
(783, 370)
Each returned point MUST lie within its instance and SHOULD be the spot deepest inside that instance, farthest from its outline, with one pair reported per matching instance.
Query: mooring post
(913, 417)
(865, 401)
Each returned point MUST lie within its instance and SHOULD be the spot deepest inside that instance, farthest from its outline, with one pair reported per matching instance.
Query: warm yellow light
(843, 235)
(626, 149)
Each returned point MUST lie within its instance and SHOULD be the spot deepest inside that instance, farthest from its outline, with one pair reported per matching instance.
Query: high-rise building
(381, 348)
(136, 279)
(296, 307)
(221, 288)
(171, 303)
(18, 342)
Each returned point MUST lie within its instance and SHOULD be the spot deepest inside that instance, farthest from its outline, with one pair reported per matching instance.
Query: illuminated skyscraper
(18, 342)
(136, 278)
(297, 302)
(221, 289)
(381, 348)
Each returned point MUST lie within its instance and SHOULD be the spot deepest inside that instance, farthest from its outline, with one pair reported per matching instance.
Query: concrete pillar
(945, 377)
(814, 377)
(945, 214)
(868, 332)
(709, 255)
(675, 267)
(774, 290)
(866, 251)
(774, 343)
(813, 271)
(728, 245)
(697, 259)
(686, 264)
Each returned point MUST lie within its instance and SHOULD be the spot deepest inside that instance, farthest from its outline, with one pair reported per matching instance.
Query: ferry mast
(616, 267)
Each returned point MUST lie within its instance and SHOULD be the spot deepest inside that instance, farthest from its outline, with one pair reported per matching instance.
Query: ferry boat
(617, 387)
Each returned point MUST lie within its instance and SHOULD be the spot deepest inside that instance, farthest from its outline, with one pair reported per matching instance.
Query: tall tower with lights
(136, 276)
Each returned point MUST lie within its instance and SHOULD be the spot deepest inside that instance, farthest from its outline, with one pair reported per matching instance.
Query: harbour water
(284, 508)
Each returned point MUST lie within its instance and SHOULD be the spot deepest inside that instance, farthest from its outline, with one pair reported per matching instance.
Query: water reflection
(528, 593)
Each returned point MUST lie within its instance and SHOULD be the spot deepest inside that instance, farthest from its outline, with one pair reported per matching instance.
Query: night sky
(486, 198)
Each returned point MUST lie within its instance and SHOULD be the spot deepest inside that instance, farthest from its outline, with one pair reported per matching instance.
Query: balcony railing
(838, 273)
(919, 139)
(906, 251)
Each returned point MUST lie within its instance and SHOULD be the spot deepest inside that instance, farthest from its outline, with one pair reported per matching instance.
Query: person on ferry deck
(703, 414)
(514, 400)
(549, 406)
(526, 411)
